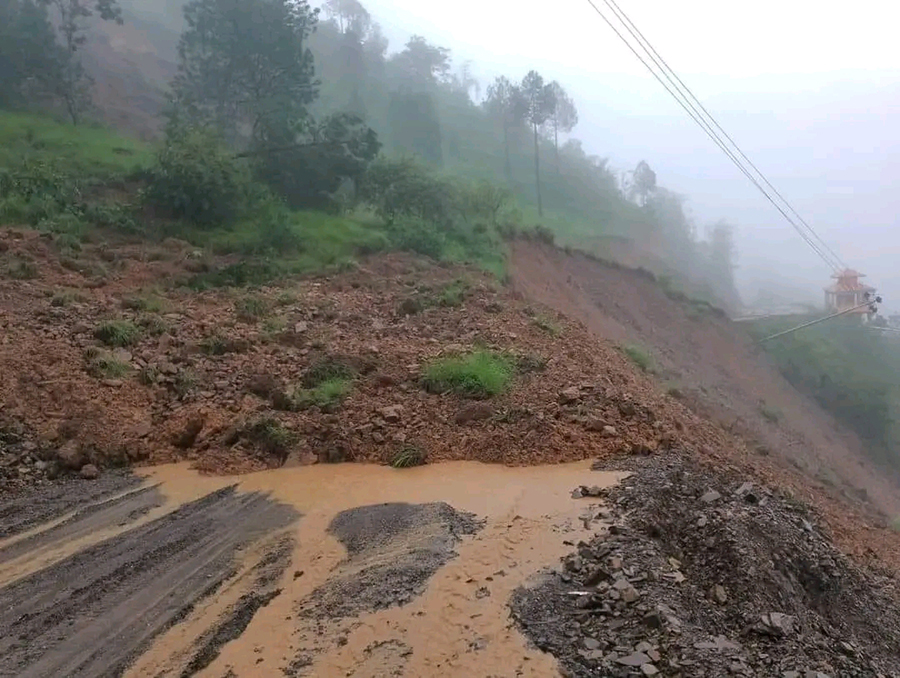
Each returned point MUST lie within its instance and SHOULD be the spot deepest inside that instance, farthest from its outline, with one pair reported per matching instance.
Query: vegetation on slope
(327, 145)
(852, 371)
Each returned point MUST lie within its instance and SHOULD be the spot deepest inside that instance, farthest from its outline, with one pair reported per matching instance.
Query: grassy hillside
(86, 183)
(88, 150)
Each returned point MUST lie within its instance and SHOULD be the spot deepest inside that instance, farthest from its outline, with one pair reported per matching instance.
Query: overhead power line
(699, 114)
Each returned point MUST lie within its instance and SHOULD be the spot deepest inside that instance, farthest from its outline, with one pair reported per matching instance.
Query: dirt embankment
(712, 366)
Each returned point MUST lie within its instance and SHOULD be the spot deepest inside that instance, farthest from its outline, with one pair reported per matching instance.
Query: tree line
(308, 98)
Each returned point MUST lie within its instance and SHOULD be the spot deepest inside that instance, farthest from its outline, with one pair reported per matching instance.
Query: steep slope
(708, 362)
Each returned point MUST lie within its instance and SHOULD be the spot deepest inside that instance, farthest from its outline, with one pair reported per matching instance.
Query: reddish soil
(201, 402)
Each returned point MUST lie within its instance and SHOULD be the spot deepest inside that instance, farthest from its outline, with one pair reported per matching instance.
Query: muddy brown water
(347, 570)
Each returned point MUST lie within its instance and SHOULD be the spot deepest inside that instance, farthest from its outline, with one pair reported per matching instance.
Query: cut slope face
(712, 364)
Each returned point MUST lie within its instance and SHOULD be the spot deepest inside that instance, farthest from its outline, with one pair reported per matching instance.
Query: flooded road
(331, 570)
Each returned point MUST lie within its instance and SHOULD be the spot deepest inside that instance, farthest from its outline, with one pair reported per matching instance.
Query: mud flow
(348, 570)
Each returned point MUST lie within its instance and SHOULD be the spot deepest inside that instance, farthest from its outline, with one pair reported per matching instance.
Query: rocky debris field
(704, 573)
(136, 367)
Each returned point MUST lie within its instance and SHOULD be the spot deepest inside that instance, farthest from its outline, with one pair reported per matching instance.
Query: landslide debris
(704, 573)
(136, 368)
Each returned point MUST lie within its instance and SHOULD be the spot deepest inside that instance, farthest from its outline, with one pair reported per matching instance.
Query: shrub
(770, 414)
(19, 267)
(408, 456)
(149, 375)
(402, 187)
(639, 357)
(150, 303)
(251, 309)
(528, 363)
(454, 294)
(327, 396)
(547, 325)
(185, 382)
(481, 374)
(411, 234)
(328, 369)
(117, 333)
(482, 201)
(214, 344)
(105, 366)
(196, 178)
(271, 436)
(153, 324)
(312, 175)
(64, 298)
(37, 190)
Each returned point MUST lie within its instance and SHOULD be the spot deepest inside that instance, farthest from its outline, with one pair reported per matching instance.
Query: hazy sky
(810, 91)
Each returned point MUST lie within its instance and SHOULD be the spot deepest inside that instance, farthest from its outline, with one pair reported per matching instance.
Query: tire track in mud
(95, 611)
(23, 511)
(114, 512)
(234, 622)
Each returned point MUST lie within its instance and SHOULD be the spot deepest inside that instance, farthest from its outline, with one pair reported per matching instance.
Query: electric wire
(688, 93)
(828, 255)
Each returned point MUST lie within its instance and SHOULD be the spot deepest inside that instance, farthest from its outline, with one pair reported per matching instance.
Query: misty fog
(810, 96)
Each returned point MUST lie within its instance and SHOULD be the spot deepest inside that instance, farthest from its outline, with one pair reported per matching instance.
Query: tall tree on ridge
(564, 117)
(539, 105)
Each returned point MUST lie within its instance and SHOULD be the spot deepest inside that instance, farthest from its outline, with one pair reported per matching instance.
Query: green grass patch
(86, 149)
(454, 294)
(771, 414)
(153, 324)
(408, 456)
(149, 303)
(64, 298)
(327, 396)
(251, 308)
(328, 369)
(149, 375)
(271, 436)
(185, 382)
(106, 366)
(530, 363)
(117, 333)
(481, 374)
(640, 357)
(19, 267)
(215, 344)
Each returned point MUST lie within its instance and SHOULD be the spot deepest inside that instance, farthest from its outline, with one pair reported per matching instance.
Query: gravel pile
(705, 574)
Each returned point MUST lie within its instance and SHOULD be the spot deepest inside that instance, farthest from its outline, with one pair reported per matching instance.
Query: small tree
(308, 174)
(30, 58)
(423, 63)
(415, 126)
(350, 15)
(564, 117)
(644, 183)
(539, 105)
(74, 83)
(505, 102)
(245, 63)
